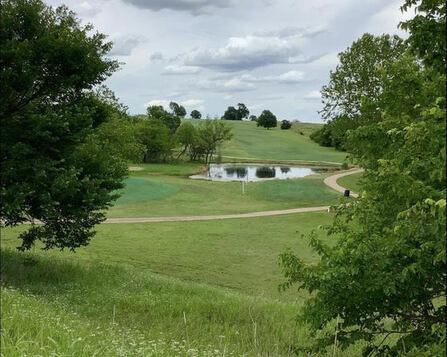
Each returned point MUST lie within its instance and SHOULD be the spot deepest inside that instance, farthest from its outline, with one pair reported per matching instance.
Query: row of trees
(385, 273)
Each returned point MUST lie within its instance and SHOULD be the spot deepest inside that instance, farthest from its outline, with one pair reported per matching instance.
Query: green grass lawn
(351, 182)
(237, 254)
(260, 144)
(162, 191)
(159, 289)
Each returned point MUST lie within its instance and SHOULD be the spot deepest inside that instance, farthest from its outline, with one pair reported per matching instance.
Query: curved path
(331, 181)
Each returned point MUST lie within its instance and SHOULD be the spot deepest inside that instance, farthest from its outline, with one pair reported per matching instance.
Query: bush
(285, 124)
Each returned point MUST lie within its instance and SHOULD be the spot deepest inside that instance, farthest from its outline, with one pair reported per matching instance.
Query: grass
(259, 143)
(351, 182)
(199, 288)
(159, 289)
(156, 195)
(237, 254)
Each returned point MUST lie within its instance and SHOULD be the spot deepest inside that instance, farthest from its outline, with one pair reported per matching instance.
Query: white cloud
(195, 7)
(193, 102)
(315, 94)
(179, 69)
(291, 77)
(253, 51)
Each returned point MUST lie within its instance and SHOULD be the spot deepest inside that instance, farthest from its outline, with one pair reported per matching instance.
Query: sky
(210, 54)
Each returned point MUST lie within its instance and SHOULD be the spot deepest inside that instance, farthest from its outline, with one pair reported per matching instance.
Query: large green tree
(53, 169)
(385, 273)
(353, 96)
(171, 120)
(267, 119)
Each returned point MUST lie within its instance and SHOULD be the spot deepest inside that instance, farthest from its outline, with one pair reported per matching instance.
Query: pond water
(256, 172)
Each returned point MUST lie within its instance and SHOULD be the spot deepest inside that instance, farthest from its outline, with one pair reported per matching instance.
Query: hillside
(252, 142)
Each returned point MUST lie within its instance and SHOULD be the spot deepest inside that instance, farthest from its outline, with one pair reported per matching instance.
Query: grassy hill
(159, 289)
(252, 142)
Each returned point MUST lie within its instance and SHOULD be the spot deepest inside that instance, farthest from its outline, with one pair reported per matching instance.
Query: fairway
(161, 192)
(209, 252)
(252, 142)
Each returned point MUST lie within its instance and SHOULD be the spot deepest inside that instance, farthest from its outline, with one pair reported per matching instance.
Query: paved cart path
(331, 181)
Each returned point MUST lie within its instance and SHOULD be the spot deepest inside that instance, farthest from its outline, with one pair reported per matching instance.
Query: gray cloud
(195, 7)
(156, 56)
(123, 45)
(257, 50)
(179, 69)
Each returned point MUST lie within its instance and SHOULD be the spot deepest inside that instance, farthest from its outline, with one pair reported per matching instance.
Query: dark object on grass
(347, 192)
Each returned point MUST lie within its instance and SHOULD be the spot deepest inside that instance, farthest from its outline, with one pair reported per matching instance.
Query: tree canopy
(195, 114)
(385, 273)
(177, 109)
(267, 120)
(57, 166)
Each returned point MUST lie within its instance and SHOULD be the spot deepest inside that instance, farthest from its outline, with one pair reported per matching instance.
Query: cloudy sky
(209, 54)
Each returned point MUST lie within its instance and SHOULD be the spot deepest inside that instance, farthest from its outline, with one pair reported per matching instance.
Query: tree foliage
(353, 96)
(242, 111)
(202, 141)
(57, 166)
(170, 120)
(385, 273)
(230, 114)
(177, 109)
(195, 114)
(267, 120)
(285, 124)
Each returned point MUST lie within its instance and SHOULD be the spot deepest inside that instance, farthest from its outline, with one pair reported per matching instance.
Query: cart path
(330, 181)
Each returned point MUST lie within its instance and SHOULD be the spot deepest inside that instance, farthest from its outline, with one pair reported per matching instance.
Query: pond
(256, 172)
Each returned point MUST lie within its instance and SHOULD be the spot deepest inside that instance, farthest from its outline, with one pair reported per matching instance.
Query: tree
(353, 96)
(267, 120)
(187, 136)
(53, 169)
(230, 114)
(154, 136)
(177, 109)
(253, 118)
(211, 134)
(242, 111)
(285, 124)
(157, 112)
(195, 114)
(354, 88)
(388, 262)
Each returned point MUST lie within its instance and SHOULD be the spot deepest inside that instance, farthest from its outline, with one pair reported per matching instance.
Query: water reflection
(265, 172)
(256, 172)
(240, 172)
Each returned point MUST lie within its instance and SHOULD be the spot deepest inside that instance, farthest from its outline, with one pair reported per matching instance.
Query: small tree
(242, 111)
(230, 114)
(186, 135)
(211, 134)
(285, 124)
(195, 114)
(177, 109)
(267, 120)
(253, 118)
